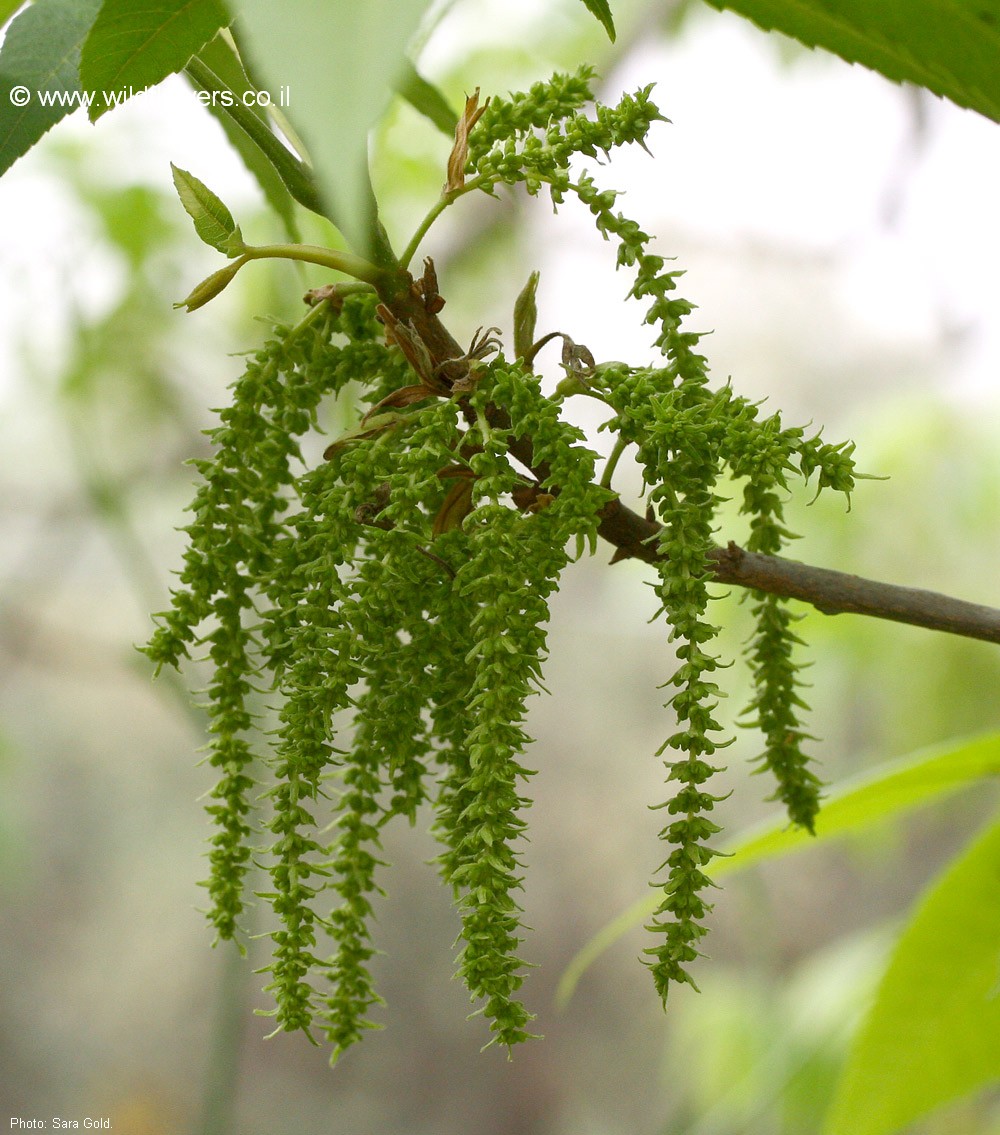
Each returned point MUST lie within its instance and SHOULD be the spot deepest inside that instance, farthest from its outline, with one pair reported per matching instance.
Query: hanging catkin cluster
(391, 601)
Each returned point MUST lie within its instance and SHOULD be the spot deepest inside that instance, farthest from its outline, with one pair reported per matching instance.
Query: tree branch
(634, 537)
(832, 592)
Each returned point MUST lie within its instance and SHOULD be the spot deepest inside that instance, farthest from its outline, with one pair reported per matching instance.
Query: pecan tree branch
(634, 537)
(832, 592)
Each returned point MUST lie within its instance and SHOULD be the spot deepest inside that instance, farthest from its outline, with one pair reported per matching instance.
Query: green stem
(609, 469)
(435, 211)
(317, 311)
(340, 261)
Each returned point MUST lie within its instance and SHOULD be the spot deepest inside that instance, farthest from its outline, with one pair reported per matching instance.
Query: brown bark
(832, 592)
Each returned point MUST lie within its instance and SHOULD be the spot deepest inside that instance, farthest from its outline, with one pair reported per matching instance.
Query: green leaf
(891, 790)
(222, 59)
(213, 222)
(340, 77)
(40, 55)
(134, 46)
(602, 10)
(951, 48)
(8, 8)
(211, 286)
(933, 1033)
(426, 98)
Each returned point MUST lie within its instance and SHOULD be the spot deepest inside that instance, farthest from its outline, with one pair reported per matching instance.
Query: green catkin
(391, 604)
(512, 564)
(388, 640)
(505, 120)
(504, 615)
(774, 707)
(237, 522)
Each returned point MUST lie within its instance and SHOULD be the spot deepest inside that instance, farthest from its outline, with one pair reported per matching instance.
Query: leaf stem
(609, 469)
(439, 206)
(340, 261)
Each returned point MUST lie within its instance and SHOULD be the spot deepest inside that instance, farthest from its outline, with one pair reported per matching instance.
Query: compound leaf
(39, 61)
(134, 46)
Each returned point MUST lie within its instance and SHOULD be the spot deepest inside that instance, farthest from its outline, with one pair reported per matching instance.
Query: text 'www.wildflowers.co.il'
(70, 100)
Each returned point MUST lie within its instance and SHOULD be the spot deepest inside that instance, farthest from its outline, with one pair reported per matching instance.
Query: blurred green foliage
(110, 993)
